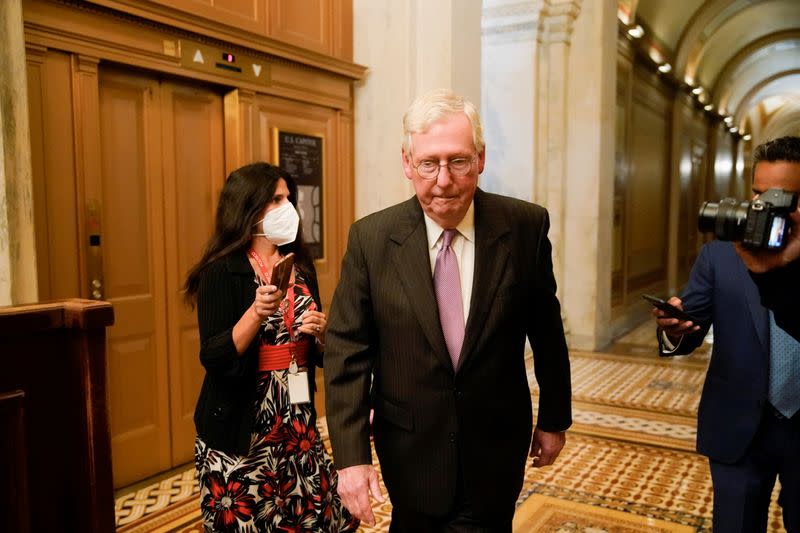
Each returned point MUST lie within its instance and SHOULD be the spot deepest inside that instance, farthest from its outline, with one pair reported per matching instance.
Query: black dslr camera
(762, 223)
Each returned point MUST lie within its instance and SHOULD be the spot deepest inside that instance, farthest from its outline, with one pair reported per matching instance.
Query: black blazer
(225, 413)
(429, 420)
(720, 292)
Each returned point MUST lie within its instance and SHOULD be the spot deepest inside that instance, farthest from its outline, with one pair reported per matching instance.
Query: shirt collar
(466, 227)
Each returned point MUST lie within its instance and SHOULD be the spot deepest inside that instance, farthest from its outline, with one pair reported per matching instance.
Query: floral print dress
(286, 481)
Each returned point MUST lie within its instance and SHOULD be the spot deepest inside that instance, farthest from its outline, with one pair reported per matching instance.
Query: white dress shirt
(463, 246)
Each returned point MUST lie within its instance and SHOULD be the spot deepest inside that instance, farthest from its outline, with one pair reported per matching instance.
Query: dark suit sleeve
(698, 301)
(317, 352)
(546, 335)
(349, 358)
(780, 292)
(217, 313)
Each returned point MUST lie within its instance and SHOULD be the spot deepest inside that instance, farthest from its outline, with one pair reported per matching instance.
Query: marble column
(549, 75)
(18, 282)
(409, 46)
(585, 195)
(556, 24)
(509, 32)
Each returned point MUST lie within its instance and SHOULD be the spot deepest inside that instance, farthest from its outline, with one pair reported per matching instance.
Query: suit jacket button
(452, 438)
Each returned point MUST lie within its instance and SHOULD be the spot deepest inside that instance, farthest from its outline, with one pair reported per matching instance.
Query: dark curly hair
(780, 149)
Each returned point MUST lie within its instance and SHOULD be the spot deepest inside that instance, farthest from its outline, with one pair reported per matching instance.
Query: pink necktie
(447, 283)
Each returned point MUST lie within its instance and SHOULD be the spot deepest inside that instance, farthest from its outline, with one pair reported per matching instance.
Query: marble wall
(589, 177)
(17, 239)
(509, 31)
(410, 47)
(549, 81)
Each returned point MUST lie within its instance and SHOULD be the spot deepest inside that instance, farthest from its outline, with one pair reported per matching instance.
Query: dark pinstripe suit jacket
(431, 421)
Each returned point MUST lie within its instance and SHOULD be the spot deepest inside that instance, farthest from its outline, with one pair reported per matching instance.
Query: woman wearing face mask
(261, 463)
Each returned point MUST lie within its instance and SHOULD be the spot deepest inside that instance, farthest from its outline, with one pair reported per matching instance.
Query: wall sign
(300, 155)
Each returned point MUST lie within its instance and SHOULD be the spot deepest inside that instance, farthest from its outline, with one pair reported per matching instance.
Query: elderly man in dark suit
(749, 417)
(428, 326)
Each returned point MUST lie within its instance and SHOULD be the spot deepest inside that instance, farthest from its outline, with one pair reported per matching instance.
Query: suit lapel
(757, 311)
(412, 262)
(491, 256)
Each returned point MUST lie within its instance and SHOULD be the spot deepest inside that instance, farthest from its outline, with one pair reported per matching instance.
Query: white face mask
(280, 225)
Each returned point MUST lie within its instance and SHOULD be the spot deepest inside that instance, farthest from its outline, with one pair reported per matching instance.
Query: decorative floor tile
(628, 466)
(544, 513)
(133, 506)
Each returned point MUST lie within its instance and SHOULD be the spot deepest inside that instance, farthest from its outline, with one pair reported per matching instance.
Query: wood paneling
(304, 23)
(641, 188)
(133, 265)
(53, 423)
(162, 169)
(271, 113)
(245, 14)
(15, 511)
(55, 184)
(314, 32)
(193, 176)
(327, 90)
(622, 152)
(648, 196)
(158, 38)
(692, 171)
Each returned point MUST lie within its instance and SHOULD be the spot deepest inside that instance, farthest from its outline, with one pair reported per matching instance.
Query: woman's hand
(315, 323)
(268, 299)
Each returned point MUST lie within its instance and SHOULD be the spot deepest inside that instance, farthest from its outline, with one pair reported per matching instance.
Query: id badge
(297, 383)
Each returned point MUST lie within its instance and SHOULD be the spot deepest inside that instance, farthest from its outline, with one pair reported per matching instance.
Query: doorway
(162, 157)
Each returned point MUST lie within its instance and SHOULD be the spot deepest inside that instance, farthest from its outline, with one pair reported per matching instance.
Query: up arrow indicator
(198, 57)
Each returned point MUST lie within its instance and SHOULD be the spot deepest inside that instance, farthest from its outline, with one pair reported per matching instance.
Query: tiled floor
(629, 463)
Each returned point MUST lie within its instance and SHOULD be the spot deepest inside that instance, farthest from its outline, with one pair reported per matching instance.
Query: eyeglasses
(428, 169)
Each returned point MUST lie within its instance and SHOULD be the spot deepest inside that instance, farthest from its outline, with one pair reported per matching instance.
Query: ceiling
(745, 54)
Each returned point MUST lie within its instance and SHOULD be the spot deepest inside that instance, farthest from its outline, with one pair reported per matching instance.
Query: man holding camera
(749, 416)
(777, 274)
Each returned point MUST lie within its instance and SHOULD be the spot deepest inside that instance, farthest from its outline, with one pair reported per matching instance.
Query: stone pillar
(549, 101)
(18, 282)
(552, 84)
(410, 46)
(579, 186)
(508, 78)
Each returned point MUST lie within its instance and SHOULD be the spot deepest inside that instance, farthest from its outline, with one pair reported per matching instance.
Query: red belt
(278, 357)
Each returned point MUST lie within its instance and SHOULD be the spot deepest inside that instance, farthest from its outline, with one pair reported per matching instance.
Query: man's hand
(759, 261)
(674, 327)
(546, 446)
(356, 483)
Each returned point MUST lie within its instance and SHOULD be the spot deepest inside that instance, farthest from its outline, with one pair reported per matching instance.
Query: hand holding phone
(670, 310)
(282, 272)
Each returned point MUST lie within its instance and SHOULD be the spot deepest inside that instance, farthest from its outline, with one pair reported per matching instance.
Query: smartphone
(668, 308)
(282, 272)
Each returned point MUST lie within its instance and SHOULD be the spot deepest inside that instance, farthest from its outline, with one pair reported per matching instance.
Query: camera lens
(725, 219)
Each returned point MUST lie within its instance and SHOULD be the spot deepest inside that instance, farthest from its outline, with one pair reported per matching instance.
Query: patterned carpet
(628, 466)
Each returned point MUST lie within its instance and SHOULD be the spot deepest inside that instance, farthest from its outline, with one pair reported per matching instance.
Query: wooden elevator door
(162, 166)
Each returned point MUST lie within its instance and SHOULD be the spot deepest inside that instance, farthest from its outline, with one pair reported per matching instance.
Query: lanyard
(287, 305)
(260, 262)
